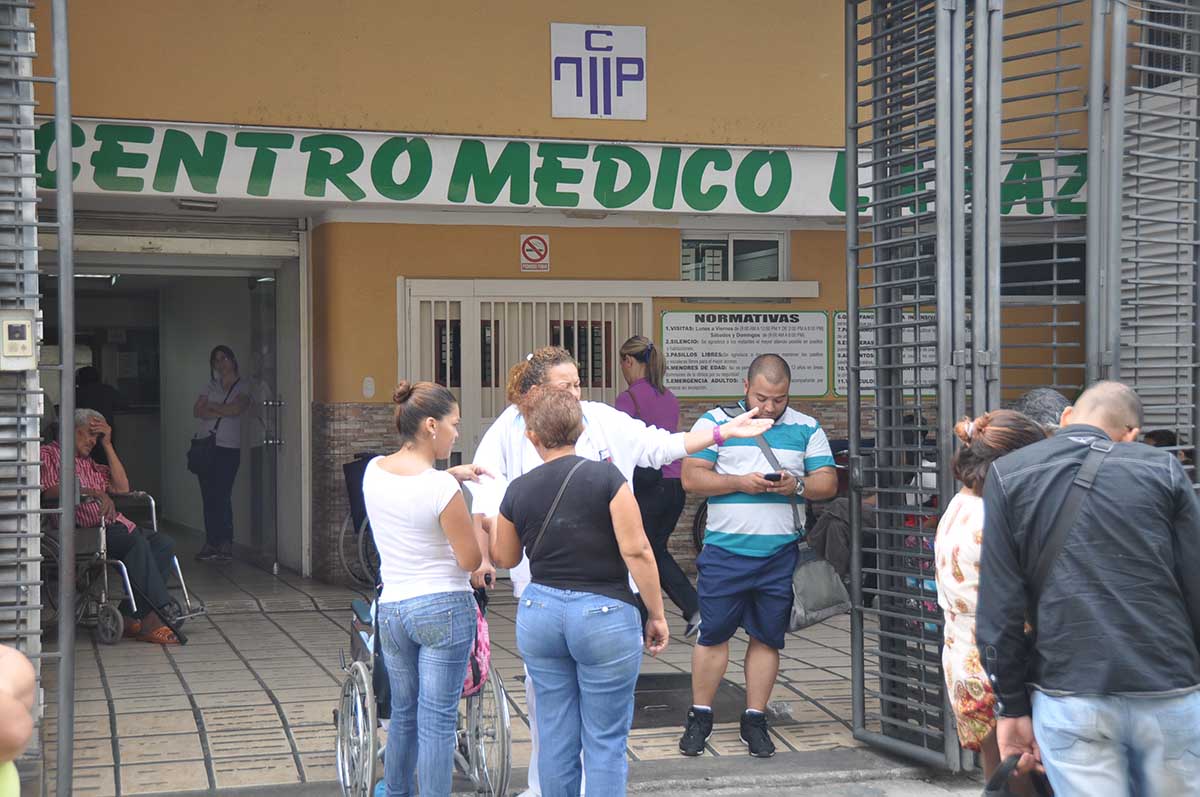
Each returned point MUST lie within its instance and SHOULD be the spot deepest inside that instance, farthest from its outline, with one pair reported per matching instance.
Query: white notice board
(708, 352)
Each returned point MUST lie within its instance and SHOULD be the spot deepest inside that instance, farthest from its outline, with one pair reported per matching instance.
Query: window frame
(732, 236)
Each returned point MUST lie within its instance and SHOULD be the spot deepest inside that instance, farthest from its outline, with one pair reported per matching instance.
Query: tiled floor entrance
(249, 701)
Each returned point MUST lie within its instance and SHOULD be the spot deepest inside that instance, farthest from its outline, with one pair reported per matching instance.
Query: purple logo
(598, 72)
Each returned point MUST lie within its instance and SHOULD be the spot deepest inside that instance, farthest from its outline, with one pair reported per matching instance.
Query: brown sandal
(133, 628)
(160, 636)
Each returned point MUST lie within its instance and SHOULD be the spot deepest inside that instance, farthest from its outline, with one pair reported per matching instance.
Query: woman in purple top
(659, 493)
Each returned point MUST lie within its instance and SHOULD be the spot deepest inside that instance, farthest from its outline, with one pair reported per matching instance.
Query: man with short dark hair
(1095, 541)
(1044, 406)
(745, 570)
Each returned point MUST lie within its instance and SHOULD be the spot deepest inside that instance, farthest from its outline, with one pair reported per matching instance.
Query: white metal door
(475, 366)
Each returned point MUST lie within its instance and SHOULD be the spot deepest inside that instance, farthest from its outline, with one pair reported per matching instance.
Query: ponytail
(642, 349)
(534, 370)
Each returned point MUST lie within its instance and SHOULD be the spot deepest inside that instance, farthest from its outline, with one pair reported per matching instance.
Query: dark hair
(534, 370)
(1162, 438)
(771, 367)
(87, 375)
(555, 416)
(989, 437)
(416, 402)
(642, 349)
(212, 359)
(1044, 405)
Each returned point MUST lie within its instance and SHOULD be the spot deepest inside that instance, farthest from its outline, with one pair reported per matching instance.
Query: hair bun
(403, 392)
(964, 430)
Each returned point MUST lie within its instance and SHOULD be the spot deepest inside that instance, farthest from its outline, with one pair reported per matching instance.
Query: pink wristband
(718, 439)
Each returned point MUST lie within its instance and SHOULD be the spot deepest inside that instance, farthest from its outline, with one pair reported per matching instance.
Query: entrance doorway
(143, 342)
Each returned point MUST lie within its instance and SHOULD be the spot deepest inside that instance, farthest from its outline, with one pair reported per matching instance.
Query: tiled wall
(342, 430)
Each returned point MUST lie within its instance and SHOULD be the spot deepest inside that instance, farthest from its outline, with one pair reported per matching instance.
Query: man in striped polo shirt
(745, 569)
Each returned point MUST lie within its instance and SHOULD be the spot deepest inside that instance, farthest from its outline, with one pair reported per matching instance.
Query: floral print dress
(957, 550)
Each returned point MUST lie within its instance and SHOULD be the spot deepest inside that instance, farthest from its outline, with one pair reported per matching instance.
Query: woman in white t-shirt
(427, 551)
(219, 408)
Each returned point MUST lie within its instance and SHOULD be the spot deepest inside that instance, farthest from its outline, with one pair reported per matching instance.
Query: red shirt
(91, 476)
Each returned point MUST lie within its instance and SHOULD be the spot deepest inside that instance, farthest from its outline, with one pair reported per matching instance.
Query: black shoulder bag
(562, 488)
(203, 451)
(817, 590)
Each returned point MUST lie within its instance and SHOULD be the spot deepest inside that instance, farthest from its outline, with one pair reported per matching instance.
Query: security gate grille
(475, 366)
(1158, 209)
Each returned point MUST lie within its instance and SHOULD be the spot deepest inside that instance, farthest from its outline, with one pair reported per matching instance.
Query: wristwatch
(799, 486)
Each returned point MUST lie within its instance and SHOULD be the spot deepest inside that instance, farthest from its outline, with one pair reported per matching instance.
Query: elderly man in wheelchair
(148, 555)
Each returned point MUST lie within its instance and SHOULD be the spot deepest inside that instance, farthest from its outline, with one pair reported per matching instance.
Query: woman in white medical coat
(608, 435)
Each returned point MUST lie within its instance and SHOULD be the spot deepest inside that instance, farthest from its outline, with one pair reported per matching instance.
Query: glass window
(740, 258)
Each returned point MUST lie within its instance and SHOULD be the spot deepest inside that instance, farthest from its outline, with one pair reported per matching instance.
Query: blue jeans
(426, 644)
(216, 492)
(583, 652)
(1119, 746)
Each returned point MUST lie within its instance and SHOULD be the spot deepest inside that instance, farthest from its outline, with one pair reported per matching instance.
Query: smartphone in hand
(773, 477)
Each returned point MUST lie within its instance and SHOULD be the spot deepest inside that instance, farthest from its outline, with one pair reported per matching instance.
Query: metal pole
(66, 434)
(979, 213)
(853, 382)
(991, 292)
(1112, 183)
(1095, 260)
(1195, 309)
(943, 291)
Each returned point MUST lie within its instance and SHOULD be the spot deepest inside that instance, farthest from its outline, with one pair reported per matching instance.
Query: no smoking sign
(535, 252)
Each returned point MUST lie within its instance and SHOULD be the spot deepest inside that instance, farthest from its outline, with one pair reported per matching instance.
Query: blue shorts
(750, 592)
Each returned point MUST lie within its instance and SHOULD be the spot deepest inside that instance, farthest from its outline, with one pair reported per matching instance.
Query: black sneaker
(695, 736)
(207, 554)
(755, 735)
(224, 553)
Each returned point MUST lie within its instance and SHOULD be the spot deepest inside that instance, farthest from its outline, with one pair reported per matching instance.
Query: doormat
(662, 700)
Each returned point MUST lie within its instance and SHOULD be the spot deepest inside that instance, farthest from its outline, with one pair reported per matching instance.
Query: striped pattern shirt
(760, 525)
(91, 477)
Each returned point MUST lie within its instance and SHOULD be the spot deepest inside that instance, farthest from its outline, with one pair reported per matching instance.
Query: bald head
(1112, 406)
(772, 368)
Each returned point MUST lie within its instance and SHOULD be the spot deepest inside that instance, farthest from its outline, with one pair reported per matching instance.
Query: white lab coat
(608, 434)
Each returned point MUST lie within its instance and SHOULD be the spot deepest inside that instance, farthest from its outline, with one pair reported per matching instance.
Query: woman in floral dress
(957, 551)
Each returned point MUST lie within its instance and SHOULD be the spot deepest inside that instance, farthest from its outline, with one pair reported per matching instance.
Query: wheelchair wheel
(368, 554)
(110, 625)
(484, 737)
(348, 554)
(357, 741)
(173, 613)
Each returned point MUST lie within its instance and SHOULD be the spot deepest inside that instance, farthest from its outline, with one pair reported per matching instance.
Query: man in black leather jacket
(1106, 698)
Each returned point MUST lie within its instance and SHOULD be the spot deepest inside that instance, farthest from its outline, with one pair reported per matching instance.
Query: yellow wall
(718, 71)
(355, 267)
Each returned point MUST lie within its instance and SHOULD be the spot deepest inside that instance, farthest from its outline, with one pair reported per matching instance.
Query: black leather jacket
(1120, 612)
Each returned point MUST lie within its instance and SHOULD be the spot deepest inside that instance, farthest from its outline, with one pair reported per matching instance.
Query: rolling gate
(978, 268)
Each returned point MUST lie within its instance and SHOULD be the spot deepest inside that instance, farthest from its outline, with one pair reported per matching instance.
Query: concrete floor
(248, 702)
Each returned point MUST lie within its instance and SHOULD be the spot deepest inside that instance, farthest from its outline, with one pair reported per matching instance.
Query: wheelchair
(482, 750)
(95, 602)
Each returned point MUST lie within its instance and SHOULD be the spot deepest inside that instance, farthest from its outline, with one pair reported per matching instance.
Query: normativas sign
(709, 353)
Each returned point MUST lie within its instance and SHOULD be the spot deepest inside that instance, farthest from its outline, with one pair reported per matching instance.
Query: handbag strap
(225, 400)
(774, 462)
(562, 488)
(637, 409)
(1068, 513)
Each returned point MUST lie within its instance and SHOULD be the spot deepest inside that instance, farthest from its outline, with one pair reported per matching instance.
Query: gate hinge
(856, 480)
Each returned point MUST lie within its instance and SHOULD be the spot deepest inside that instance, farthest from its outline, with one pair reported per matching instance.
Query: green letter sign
(112, 156)
(606, 192)
(471, 166)
(203, 168)
(420, 167)
(262, 168)
(322, 169)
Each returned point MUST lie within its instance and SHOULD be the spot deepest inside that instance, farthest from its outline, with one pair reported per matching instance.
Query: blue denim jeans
(583, 652)
(426, 644)
(1119, 746)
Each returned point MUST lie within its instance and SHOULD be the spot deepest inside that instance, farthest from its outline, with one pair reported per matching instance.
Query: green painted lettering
(609, 157)
(552, 173)
(837, 187)
(420, 168)
(1065, 203)
(111, 156)
(179, 151)
(262, 168)
(777, 189)
(1023, 183)
(471, 168)
(697, 164)
(667, 178)
(43, 140)
(323, 169)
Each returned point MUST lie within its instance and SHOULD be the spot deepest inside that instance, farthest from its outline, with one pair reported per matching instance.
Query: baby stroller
(482, 745)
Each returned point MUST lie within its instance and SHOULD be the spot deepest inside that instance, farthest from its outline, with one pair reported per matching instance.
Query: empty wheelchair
(96, 602)
(482, 745)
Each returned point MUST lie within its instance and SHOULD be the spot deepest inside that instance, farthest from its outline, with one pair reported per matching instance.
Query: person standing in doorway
(750, 550)
(659, 492)
(219, 409)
